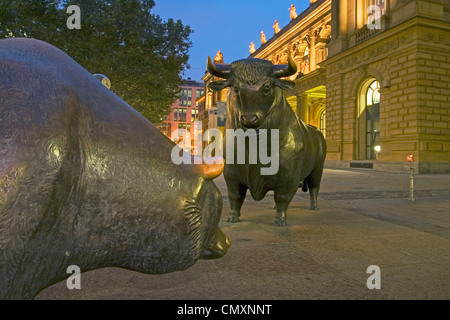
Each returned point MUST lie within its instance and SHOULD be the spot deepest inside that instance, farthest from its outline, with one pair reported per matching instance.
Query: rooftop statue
(293, 13)
(276, 27)
(218, 57)
(252, 47)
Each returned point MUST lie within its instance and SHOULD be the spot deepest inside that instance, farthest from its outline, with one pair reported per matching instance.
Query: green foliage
(142, 55)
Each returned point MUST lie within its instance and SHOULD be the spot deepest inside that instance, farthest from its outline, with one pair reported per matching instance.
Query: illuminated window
(185, 97)
(373, 121)
(194, 114)
(373, 93)
(199, 93)
(379, 10)
(323, 122)
(182, 114)
(379, 3)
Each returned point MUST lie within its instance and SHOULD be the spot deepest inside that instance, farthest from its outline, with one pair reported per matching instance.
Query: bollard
(410, 158)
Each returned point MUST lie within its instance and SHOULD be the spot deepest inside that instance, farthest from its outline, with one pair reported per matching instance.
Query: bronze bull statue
(255, 102)
(86, 180)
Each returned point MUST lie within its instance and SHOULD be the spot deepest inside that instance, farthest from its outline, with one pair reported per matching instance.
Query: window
(373, 93)
(200, 92)
(373, 120)
(194, 114)
(374, 10)
(379, 3)
(182, 114)
(185, 97)
(323, 122)
(179, 114)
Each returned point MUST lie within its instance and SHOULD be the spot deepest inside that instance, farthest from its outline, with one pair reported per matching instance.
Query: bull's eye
(266, 88)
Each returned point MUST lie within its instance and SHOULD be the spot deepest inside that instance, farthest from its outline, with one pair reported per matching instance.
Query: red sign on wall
(410, 158)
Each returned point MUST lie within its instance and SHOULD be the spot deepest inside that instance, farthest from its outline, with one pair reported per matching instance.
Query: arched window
(373, 93)
(373, 120)
(323, 122)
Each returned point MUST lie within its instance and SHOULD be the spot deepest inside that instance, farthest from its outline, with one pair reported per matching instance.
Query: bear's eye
(266, 88)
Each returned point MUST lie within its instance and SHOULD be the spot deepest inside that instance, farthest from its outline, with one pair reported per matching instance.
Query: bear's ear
(285, 84)
(219, 85)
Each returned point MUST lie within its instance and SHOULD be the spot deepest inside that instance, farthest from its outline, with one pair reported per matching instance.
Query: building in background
(374, 77)
(213, 114)
(184, 112)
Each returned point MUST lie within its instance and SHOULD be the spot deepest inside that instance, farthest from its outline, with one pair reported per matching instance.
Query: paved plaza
(365, 219)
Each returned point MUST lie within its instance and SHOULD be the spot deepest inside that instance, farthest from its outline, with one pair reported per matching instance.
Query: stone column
(312, 50)
(303, 107)
(343, 17)
(334, 20)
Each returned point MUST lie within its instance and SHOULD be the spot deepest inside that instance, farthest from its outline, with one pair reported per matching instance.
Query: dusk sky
(228, 25)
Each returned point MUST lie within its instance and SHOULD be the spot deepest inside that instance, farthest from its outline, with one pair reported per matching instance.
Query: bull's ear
(285, 84)
(219, 85)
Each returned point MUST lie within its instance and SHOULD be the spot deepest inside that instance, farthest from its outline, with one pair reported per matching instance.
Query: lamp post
(410, 158)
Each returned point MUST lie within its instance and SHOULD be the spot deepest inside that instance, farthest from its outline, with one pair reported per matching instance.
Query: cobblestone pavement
(365, 219)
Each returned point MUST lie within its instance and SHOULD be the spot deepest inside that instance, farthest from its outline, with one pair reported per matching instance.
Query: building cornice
(306, 20)
(385, 42)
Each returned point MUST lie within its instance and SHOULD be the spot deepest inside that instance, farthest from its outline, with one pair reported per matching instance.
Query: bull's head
(256, 87)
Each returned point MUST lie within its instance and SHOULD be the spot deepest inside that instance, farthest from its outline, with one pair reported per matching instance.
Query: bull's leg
(313, 183)
(236, 197)
(282, 202)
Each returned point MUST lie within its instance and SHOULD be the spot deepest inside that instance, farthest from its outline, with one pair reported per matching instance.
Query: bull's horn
(285, 70)
(218, 70)
(211, 168)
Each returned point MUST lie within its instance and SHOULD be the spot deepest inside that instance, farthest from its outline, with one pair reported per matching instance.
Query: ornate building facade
(374, 76)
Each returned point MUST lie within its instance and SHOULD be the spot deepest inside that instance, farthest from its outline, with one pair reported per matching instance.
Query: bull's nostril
(249, 119)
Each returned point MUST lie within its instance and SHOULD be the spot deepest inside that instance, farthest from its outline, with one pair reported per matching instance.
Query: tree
(30, 18)
(142, 55)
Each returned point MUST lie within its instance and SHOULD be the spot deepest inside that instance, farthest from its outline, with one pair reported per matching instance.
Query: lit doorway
(368, 121)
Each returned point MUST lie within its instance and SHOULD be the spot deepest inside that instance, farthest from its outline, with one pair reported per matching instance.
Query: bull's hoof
(233, 218)
(280, 222)
(313, 208)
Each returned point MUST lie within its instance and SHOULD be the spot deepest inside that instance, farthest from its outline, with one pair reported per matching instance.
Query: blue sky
(228, 25)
